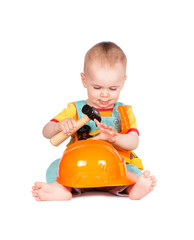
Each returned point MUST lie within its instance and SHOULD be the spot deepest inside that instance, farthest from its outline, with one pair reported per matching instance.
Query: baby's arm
(52, 128)
(127, 141)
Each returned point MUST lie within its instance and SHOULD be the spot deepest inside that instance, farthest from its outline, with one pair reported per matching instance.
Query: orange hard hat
(92, 163)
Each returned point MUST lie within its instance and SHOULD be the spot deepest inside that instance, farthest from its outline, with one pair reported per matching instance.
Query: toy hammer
(91, 114)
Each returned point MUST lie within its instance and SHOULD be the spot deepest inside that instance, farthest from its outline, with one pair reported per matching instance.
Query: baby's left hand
(106, 132)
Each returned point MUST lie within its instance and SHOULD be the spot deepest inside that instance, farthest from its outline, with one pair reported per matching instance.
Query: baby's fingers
(65, 128)
(100, 124)
(114, 133)
(68, 125)
(72, 123)
(110, 128)
(97, 122)
(97, 137)
(104, 125)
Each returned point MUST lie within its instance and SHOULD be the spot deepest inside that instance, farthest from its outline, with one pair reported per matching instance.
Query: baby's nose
(104, 93)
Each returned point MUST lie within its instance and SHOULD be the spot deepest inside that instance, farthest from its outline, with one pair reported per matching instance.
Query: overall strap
(79, 105)
(115, 112)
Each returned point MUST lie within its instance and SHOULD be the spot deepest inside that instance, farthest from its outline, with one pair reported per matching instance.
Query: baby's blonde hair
(105, 53)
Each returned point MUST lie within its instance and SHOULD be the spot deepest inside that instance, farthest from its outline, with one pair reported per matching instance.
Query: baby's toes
(35, 193)
(38, 198)
(152, 177)
(153, 184)
(39, 185)
(154, 180)
(146, 173)
(151, 189)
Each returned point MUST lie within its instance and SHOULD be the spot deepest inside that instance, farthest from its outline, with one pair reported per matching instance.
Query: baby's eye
(96, 87)
(113, 89)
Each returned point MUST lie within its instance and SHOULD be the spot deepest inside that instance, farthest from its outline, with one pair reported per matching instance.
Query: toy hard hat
(92, 163)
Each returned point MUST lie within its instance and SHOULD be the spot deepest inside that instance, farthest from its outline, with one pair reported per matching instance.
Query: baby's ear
(83, 79)
(124, 80)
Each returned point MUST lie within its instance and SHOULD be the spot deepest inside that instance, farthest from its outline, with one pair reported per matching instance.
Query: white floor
(98, 216)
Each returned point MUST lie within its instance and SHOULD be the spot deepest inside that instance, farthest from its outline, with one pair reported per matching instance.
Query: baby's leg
(52, 171)
(132, 176)
(144, 185)
(51, 192)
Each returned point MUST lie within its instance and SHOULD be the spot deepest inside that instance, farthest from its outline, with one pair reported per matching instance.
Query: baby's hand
(67, 125)
(106, 133)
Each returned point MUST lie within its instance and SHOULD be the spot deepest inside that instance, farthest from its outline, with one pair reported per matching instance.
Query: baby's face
(103, 84)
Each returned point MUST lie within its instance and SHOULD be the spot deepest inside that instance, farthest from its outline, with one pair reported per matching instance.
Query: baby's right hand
(67, 125)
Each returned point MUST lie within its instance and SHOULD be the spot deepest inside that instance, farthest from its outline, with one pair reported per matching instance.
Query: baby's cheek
(92, 94)
(116, 97)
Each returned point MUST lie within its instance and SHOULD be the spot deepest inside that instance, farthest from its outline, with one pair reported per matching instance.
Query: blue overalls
(113, 121)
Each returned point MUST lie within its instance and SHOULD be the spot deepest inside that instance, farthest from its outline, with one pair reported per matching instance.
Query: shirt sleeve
(132, 119)
(69, 112)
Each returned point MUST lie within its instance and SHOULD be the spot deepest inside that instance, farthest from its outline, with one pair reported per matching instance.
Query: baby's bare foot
(144, 185)
(51, 192)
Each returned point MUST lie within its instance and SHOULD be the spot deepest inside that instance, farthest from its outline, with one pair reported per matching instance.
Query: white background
(42, 47)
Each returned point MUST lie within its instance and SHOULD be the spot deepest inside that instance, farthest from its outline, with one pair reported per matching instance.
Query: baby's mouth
(104, 102)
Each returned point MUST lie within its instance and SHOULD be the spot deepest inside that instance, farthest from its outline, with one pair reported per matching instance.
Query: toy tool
(91, 113)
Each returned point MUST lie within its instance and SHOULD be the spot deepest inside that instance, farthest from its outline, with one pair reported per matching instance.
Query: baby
(104, 77)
